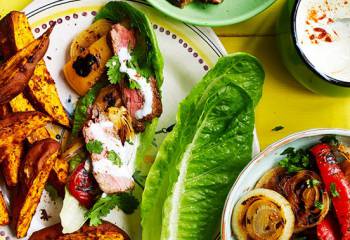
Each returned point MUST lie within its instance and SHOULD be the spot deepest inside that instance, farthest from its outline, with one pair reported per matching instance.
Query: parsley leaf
(113, 72)
(76, 160)
(295, 160)
(80, 112)
(125, 201)
(114, 158)
(331, 140)
(319, 205)
(94, 146)
(312, 182)
(333, 189)
(52, 191)
(277, 128)
(134, 85)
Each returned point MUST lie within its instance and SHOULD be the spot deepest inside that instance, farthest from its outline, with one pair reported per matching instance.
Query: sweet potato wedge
(41, 157)
(5, 109)
(15, 34)
(17, 126)
(14, 154)
(50, 233)
(17, 70)
(13, 129)
(43, 93)
(4, 215)
(21, 104)
(11, 163)
(36, 156)
(105, 231)
(60, 171)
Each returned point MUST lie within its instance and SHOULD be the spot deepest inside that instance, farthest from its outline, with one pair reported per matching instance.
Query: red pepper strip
(328, 229)
(82, 186)
(332, 175)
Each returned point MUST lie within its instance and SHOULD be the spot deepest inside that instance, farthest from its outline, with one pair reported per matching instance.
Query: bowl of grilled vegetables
(298, 188)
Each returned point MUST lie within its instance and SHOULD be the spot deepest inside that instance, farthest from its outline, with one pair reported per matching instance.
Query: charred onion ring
(263, 214)
(309, 202)
(271, 179)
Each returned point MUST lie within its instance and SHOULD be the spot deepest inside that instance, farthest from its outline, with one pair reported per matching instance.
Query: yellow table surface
(285, 102)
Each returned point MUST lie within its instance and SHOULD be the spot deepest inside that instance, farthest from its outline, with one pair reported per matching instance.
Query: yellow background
(284, 102)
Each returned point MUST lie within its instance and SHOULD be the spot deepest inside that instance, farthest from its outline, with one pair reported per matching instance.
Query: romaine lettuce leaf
(80, 112)
(199, 160)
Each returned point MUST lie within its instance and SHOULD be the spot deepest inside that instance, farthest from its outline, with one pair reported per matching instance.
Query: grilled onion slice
(271, 179)
(309, 202)
(263, 214)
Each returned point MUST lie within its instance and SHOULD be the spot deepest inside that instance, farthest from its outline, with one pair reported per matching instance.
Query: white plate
(188, 52)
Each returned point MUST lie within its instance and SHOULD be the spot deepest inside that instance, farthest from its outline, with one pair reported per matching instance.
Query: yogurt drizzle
(145, 87)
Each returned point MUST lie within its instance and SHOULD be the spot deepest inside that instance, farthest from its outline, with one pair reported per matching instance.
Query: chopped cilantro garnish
(124, 201)
(333, 190)
(312, 182)
(295, 160)
(113, 72)
(114, 158)
(319, 205)
(94, 146)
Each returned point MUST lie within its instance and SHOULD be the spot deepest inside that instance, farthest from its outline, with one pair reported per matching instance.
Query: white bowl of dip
(314, 41)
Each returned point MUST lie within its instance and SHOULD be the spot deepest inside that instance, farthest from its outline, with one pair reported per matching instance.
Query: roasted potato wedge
(101, 53)
(87, 37)
(16, 34)
(13, 129)
(41, 157)
(4, 215)
(60, 170)
(11, 164)
(105, 231)
(16, 127)
(21, 104)
(50, 233)
(36, 157)
(43, 93)
(5, 109)
(17, 70)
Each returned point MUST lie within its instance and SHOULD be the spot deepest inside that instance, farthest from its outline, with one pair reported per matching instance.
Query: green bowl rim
(301, 54)
(214, 23)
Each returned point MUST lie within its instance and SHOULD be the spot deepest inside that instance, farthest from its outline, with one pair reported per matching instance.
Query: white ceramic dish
(265, 161)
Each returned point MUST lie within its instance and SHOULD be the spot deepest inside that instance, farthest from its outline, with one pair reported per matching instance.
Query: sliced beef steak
(122, 37)
(144, 103)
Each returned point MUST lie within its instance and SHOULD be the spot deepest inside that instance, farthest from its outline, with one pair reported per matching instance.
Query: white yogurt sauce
(103, 131)
(145, 87)
(323, 35)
